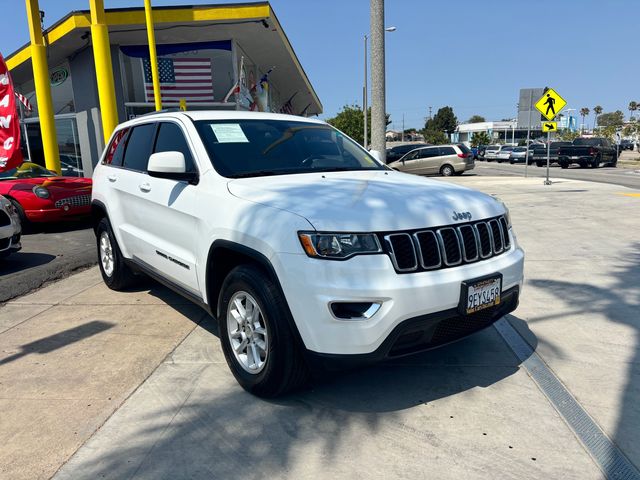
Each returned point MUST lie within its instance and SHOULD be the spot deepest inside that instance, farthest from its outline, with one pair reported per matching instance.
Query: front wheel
(115, 272)
(564, 165)
(257, 340)
(447, 170)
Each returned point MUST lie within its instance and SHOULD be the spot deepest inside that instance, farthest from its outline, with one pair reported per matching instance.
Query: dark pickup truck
(539, 153)
(588, 152)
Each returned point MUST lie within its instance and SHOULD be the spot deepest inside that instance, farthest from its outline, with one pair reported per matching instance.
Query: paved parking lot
(136, 385)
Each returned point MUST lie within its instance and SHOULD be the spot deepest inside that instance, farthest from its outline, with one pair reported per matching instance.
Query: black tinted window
(464, 148)
(429, 152)
(138, 149)
(447, 151)
(171, 139)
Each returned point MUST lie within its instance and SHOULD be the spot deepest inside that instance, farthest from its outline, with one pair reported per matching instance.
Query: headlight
(507, 215)
(41, 192)
(338, 246)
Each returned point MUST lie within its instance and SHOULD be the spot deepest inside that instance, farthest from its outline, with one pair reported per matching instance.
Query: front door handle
(144, 187)
(112, 178)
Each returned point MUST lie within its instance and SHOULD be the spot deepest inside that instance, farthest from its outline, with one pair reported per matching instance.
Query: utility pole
(364, 96)
(378, 108)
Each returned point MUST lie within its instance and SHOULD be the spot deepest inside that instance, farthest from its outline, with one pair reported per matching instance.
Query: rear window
(520, 149)
(464, 148)
(493, 148)
(447, 151)
(507, 149)
(587, 141)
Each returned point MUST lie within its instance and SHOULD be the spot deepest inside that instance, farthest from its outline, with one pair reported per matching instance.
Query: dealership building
(203, 52)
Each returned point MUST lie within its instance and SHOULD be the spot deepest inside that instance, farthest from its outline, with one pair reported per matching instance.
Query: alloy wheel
(247, 332)
(106, 254)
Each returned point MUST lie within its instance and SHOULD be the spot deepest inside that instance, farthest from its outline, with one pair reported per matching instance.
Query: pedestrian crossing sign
(550, 104)
(549, 126)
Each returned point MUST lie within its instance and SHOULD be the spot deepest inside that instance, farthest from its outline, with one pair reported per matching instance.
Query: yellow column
(153, 58)
(104, 68)
(43, 88)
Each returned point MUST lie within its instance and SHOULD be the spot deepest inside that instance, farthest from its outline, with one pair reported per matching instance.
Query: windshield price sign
(550, 104)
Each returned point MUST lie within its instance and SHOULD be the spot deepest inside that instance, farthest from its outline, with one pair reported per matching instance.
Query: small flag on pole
(235, 88)
(24, 101)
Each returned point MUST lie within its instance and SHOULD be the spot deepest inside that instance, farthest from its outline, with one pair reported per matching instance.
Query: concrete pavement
(466, 410)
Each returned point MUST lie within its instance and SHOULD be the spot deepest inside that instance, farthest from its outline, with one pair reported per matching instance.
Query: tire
(582, 164)
(564, 165)
(539, 164)
(282, 369)
(596, 162)
(447, 170)
(115, 272)
(511, 162)
(24, 221)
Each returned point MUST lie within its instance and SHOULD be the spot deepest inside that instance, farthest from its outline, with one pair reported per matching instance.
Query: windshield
(253, 148)
(26, 170)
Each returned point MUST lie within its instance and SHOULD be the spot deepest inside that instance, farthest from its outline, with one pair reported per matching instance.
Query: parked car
(40, 195)
(588, 152)
(396, 153)
(10, 228)
(504, 153)
(446, 160)
(519, 155)
(491, 152)
(306, 249)
(539, 156)
(626, 145)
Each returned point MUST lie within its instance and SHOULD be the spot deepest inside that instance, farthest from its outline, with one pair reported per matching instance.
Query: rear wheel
(115, 272)
(564, 165)
(258, 343)
(596, 162)
(447, 170)
(539, 164)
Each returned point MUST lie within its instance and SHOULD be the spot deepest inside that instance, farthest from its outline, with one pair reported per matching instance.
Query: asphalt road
(48, 253)
(626, 177)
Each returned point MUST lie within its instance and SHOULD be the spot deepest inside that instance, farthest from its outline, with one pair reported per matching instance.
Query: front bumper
(54, 214)
(311, 285)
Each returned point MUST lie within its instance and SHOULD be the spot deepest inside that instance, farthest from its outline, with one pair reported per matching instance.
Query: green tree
(435, 137)
(597, 110)
(633, 106)
(476, 119)
(567, 135)
(583, 113)
(480, 138)
(443, 121)
(611, 119)
(350, 120)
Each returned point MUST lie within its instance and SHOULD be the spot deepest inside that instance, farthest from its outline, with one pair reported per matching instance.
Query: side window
(429, 152)
(116, 149)
(412, 156)
(138, 150)
(447, 151)
(171, 139)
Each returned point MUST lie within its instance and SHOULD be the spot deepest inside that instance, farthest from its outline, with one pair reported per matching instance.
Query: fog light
(66, 207)
(354, 310)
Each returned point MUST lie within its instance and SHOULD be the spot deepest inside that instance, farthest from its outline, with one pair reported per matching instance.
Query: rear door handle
(112, 178)
(144, 187)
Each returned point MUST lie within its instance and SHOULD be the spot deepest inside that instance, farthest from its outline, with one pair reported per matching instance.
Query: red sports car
(40, 195)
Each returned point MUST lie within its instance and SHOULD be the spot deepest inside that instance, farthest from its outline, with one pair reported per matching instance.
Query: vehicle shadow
(56, 227)
(619, 302)
(20, 261)
(205, 426)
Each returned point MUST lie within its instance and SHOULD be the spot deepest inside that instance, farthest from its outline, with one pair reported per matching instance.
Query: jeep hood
(367, 201)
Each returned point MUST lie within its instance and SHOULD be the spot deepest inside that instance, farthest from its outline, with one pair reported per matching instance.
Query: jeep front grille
(447, 246)
(77, 201)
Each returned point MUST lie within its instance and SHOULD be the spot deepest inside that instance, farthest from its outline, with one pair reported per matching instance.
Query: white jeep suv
(307, 250)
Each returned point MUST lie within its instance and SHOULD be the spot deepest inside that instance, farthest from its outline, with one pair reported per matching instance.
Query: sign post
(549, 105)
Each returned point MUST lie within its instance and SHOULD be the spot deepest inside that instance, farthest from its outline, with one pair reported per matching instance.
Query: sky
(468, 54)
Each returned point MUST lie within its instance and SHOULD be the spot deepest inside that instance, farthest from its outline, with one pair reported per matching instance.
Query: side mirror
(376, 154)
(170, 165)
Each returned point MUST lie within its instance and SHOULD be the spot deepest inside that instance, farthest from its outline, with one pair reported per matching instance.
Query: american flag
(188, 78)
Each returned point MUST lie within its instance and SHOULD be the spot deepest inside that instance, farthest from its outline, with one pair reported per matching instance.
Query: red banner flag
(10, 153)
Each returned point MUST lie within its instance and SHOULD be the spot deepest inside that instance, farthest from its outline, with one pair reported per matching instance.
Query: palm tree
(583, 113)
(633, 106)
(597, 110)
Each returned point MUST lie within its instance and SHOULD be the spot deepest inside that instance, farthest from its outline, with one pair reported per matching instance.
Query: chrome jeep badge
(461, 216)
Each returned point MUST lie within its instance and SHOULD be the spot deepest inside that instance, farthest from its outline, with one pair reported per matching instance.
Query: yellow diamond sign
(549, 126)
(550, 104)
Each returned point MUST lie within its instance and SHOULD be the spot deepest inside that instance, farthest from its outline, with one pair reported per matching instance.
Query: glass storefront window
(67, 136)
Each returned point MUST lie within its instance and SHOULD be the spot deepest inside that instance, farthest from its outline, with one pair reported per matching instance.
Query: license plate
(479, 294)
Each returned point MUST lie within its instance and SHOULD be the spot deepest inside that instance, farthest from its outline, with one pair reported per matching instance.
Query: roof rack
(164, 110)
